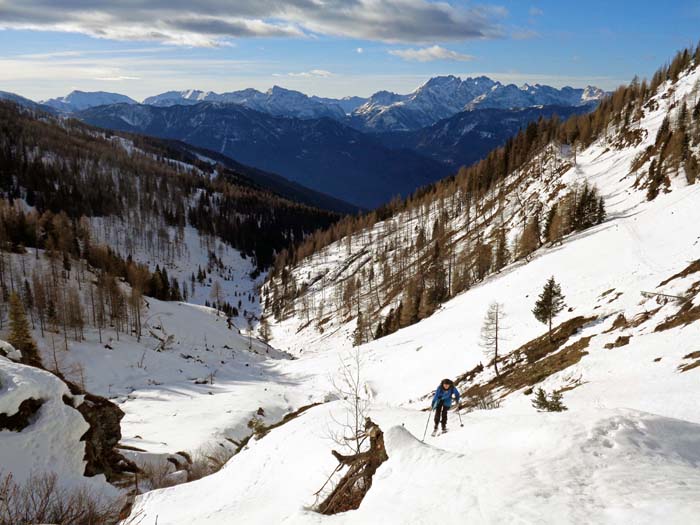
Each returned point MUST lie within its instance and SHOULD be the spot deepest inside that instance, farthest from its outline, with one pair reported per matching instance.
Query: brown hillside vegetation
(412, 255)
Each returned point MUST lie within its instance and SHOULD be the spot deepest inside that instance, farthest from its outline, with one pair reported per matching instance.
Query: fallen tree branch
(354, 485)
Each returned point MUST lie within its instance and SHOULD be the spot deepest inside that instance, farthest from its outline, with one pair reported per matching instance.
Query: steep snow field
(626, 451)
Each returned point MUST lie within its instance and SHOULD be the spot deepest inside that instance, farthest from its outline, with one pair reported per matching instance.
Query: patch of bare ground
(643, 317)
(694, 364)
(533, 362)
(619, 323)
(686, 314)
(623, 340)
(694, 267)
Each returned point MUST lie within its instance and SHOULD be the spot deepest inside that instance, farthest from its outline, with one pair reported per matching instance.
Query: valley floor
(626, 451)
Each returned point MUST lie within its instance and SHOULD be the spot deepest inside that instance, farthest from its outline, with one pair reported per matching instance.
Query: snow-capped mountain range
(438, 98)
(276, 101)
(443, 97)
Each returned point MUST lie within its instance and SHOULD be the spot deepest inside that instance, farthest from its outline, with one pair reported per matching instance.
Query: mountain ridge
(322, 154)
(437, 98)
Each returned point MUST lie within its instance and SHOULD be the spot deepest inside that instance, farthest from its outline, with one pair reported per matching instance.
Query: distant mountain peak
(78, 100)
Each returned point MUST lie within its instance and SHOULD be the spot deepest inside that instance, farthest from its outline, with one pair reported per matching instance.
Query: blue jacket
(445, 396)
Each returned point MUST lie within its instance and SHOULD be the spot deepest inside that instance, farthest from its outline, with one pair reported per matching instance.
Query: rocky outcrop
(101, 439)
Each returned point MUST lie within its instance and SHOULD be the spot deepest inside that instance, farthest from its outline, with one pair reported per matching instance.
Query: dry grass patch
(619, 323)
(694, 267)
(686, 315)
(535, 361)
(643, 317)
(623, 340)
(42, 499)
(694, 364)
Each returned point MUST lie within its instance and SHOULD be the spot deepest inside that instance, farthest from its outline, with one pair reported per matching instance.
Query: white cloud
(525, 34)
(536, 11)
(360, 50)
(314, 73)
(429, 54)
(117, 78)
(207, 23)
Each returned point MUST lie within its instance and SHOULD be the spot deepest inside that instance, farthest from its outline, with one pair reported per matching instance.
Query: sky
(331, 48)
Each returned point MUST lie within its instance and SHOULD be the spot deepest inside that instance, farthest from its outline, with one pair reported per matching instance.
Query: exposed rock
(23, 417)
(102, 438)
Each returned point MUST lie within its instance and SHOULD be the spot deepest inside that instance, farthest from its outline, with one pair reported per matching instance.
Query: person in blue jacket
(442, 401)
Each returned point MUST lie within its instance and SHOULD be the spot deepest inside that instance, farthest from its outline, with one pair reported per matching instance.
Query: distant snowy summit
(80, 100)
(275, 101)
(445, 96)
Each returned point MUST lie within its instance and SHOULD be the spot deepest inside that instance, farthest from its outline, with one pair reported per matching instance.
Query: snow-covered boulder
(40, 430)
(47, 438)
(9, 351)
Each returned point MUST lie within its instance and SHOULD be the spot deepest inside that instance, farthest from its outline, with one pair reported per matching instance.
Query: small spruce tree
(549, 304)
(20, 335)
(552, 403)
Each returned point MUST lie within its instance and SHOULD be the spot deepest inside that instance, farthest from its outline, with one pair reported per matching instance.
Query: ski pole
(427, 423)
(460, 415)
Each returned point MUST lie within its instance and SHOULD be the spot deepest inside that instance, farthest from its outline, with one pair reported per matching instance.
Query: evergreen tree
(409, 308)
(553, 403)
(600, 211)
(426, 306)
(359, 334)
(264, 330)
(20, 335)
(529, 239)
(549, 304)
(654, 180)
(502, 253)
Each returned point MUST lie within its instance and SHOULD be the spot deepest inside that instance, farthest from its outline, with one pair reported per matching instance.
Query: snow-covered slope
(555, 170)
(626, 451)
(80, 100)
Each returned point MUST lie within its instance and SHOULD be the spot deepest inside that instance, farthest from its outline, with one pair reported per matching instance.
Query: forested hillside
(63, 167)
(395, 266)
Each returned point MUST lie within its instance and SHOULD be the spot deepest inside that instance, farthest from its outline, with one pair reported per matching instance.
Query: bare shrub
(156, 475)
(207, 461)
(482, 401)
(42, 499)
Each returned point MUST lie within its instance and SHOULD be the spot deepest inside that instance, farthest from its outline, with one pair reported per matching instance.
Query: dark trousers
(441, 414)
